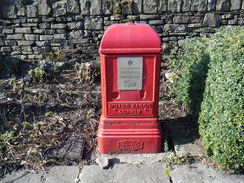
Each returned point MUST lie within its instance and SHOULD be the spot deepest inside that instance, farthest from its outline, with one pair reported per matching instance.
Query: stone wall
(28, 30)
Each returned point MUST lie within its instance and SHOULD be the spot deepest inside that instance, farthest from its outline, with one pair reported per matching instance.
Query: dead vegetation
(40, 111)
(53, 107)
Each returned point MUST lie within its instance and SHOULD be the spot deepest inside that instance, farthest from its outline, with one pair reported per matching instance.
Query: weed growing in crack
(167, 171)
(173, 159)
(119, 8)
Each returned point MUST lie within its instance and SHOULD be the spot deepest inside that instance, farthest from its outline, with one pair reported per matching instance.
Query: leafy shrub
(222, 116)
(188, 65)
(38, 75)
(208, 79)
(88, 72)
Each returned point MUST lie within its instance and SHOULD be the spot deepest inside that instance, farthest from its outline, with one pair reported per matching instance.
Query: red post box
(130, 68)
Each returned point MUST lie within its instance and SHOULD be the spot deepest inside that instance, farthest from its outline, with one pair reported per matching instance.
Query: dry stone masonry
(30, 28)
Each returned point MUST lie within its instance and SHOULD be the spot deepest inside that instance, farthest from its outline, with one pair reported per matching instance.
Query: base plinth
(129, 135)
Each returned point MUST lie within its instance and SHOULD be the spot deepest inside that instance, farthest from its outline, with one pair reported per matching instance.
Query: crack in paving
(77, 180)
(44, 177)
(12, 181)
(170, 180)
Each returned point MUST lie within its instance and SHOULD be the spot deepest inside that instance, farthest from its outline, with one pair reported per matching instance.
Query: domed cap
(130, 38)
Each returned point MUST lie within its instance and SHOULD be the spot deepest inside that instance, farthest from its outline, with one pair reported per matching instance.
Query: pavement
(132, 168)
(126, 168)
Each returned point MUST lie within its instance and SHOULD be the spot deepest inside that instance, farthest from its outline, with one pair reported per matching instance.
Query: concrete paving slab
(121, 173)
(23, 176)
(57, 174)
(136, 158)
(199, 173)
(180, 132)
(124, 173)
(62, 174)
(184, 147)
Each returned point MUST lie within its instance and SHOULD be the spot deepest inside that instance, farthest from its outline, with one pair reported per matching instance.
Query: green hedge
(188, 65)
(222, 115)
(209, 81)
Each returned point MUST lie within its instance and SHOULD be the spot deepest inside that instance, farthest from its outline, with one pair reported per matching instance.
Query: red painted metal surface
(129, 120)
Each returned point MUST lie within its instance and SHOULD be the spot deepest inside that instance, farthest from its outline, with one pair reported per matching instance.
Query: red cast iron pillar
(130, 57)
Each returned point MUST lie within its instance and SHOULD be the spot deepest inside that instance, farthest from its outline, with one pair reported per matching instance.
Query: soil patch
(55, 122)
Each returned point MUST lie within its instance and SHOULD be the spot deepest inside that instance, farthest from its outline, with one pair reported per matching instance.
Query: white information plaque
(130, 70)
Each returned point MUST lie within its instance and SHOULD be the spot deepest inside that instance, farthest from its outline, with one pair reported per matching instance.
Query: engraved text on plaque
(130, 70)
